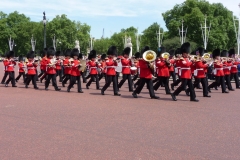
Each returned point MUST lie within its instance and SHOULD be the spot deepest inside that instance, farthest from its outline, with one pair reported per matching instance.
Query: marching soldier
(31, 70)
(59, 66)
(226, 69)
(102, 67)
(75, 73)
(93, 72)
(43, 65)
(111, 63)
(126, 65)
(199, 73)
(51, 70)
(218, 72)
(185, 73)
(146, 71)
(83, 73)
(67, 67)
(234, 70)
(177, 68)
(21, 69)
(9, 63)
(5, 71)
(171, 68)
(163, 66)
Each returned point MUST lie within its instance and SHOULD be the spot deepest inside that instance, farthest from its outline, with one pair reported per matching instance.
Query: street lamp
(44, 24)
(60, 46)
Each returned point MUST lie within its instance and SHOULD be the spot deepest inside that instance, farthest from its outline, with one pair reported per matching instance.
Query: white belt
(195, 72)
(126, 66)
(92, 67)
(180, 72)
(219, 68)
(110, 66)
(234, 66)
(215, 70)
(227, 68)
(31, 68)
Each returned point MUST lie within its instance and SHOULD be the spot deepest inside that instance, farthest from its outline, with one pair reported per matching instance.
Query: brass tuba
(165, 55)
(149, 56)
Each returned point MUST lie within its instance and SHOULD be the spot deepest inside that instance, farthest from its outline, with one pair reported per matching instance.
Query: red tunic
(92, 67)
(172, 61)
(145, 71)
(218, 69)
(50, 69)
(110, 67)
(103, 65)
(227, 68)
(126, 65)
(193, 67)
(9, 65)
(185, 71)
(162, 69)
(58, 64)
(43, 64)
(178, 66)
(21, 67)
(234, 67)
(67, 68)
(31, 67)
(200, 69)
(75, 68)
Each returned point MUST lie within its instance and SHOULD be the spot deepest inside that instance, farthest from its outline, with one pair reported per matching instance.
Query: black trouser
(117, 76)
(206, 78)
(102, 75)
(228, 82)
(44, 76)
(4, 77)
(135, 77)
(124, 78)
(59, 73)
(21, 74)
(110, 79)
(54, 82)
(149, 83)
(173, 74)
(73, 80)
(42, 72)
(67, 77)
(235, 76)
(183, 86)
(93, 76)
(164, 81)
(204, 85)
(219, 80)
(33, 78)
(176, 82)
(83, 76)
(11, 78)
(36, 75)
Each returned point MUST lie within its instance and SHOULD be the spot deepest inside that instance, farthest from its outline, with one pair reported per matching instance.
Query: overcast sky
(108, 14)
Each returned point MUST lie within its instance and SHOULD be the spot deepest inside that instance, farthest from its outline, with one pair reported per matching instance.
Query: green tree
(193, 13)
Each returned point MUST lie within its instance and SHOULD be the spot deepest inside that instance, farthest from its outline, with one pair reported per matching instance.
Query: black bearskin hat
(80, 56)
(75, 52)
(103, 56)
(160, 51)
(31, 54)
(126, 51)
(137, 55)
(92, 54)
(193, 53)
(224, 53)
(177, 51)
(171, 52)
(112, 51)
(231, 52)
(185, 48)
(201, 51)
(67, 52)
(20, 58)
(58, 53)
(50, 51)
(42, 54)
(10, 54)
(146, 48)
(216, 53)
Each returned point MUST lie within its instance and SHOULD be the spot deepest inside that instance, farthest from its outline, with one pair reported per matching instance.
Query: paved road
(39, 124)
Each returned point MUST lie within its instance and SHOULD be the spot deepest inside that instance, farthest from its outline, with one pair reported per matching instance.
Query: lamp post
(159, 37)
(60, 46)
(237, 32)
(181, 34)
(205, 32)
(44, 24)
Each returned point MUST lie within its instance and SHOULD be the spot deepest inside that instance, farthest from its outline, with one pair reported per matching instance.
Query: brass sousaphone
(149, 56)
(82, 68)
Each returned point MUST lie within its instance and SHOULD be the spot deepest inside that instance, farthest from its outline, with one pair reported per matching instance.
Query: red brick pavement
(39, 124)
